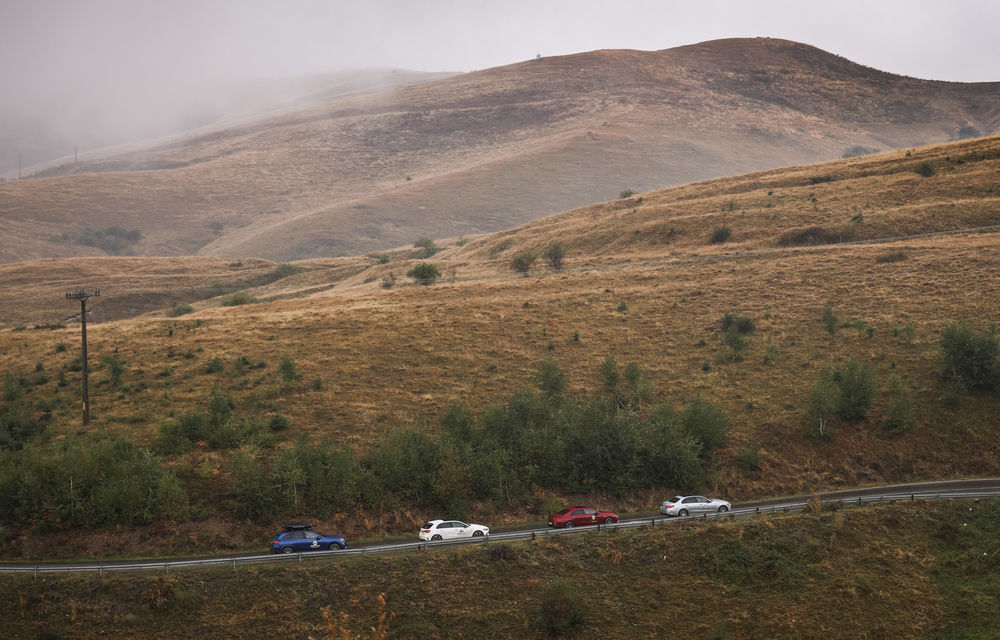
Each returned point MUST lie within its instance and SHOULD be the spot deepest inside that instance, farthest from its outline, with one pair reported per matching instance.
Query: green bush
(554, 255)
(720, 235)
(426, 246)
(970, 357)
(424, 273)
(181, 309)
(215, 365)
(284, 270)
(287, 369)
(899, 414)
(741, 324)
(856, 383)
(707, 424)
(522, 262)
(926, 169)
(750, 458)
(278, 422)
(237, 299)
(829, 319)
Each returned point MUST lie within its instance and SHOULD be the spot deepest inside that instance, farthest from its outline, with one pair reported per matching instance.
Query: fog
(88, 73)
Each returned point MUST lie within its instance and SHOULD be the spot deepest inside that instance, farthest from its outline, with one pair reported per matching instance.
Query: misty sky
(78, 67)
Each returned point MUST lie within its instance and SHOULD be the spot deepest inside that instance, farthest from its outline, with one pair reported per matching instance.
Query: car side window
(690, 500)
(312, 535)
(590, 512)
(579, 512)
(460, 525)
(296, 535)
(705, 500)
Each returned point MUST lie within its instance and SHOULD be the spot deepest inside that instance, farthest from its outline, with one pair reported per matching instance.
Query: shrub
(608, 372)
(734, 340)
(287, 369)
(741, 324)
(426, 246)
(970, 358)
(424, 273)
(181, 309)
(829, 319)
(926, 169)
(278, 422)
(720, 235)
(899, 414)
(857, 390)
(554, 255)
(822, 403)
(562, 609)
(750, 458)
(389, 280)
(813, 236)
(215, 365)
(284, 270)
(627, 193)
(551, 379)
(858, 150)
(237, 299)
(522, 261)
(705, 423)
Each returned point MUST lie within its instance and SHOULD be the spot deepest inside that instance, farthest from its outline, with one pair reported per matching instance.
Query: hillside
(928, 570)
(483, 151)
(642, 282)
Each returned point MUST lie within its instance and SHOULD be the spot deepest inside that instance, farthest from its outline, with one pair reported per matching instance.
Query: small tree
(857, 390)
(970, 358)
(554, 255)
(427, 247)
(721, 234)
(287, 369)
(424, 273)
(822, 402)
(829, 319)
(899, 415)
(551, 379)
(608, 372)
(522, 261)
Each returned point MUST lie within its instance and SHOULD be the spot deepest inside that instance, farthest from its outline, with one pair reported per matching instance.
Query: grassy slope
(487, 151)
(903, 571)
(389, 357)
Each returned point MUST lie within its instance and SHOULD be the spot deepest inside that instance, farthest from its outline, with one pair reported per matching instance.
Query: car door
(296, 540)
(579, 516)
(312, 541)
(691, 505)
(460, 529)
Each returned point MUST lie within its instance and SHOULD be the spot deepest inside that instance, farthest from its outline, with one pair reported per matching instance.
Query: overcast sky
(67, 62)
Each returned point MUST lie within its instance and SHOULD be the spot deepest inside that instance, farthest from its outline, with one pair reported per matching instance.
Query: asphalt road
(951, 489)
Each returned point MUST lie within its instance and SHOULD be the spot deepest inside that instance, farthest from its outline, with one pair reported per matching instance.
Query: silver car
(693, 505)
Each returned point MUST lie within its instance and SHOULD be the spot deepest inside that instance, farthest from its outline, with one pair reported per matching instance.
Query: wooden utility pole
(82, 296)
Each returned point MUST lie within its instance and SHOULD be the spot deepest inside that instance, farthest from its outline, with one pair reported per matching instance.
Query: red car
(577, 516)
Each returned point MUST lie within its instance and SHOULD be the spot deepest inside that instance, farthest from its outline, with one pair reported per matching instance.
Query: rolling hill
(482, 152)
(898, 245)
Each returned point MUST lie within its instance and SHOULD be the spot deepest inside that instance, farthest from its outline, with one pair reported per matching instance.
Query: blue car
(299, 536)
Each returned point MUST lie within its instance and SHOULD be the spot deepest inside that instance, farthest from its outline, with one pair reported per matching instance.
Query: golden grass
(386, 358)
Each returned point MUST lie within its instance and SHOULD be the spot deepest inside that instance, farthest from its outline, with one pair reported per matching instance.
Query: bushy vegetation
(522, 261)
(181, 309)
(424, 273)
(970, 357)
(237, 299)
(284, 270)
(427, 247)
(554, 255)
(113, 240)
(721, 234)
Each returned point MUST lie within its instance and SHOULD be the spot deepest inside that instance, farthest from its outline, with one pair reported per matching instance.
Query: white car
(449, 529)
(693, 505)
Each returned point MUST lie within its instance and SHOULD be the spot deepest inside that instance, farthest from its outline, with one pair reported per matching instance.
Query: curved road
(981, 488)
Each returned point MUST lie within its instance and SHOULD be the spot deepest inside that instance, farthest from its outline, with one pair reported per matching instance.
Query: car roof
(433, 522)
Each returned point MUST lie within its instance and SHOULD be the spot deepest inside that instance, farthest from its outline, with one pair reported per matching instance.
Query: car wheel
(682, 512)
(569, 525)
(477, 534)
(435, 537)
(335, 546)
(723, 509)
(609, 521)
(288, 550)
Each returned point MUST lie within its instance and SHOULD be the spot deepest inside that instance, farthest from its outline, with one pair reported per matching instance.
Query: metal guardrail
(236, 561)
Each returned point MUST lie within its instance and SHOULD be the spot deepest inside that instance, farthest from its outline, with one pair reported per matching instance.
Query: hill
(340, 354)
(482, 152)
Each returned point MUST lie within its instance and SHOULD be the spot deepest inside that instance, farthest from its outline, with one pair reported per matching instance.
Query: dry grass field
(642, 282)
(484, 151)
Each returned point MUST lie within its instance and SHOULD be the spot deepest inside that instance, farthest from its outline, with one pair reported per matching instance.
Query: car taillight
(274, 542)
(427, 530)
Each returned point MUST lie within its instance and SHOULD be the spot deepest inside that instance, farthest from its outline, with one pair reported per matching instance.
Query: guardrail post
(911, 497)
(234, 565)
(532, 535)
(100, 572)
